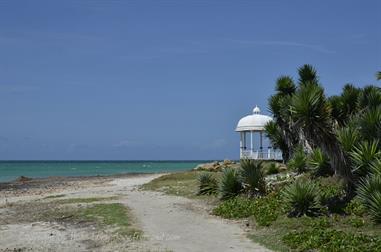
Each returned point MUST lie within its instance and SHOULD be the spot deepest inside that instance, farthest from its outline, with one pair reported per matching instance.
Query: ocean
(10, 170)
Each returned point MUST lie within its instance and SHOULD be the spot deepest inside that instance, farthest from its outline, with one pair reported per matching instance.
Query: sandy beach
(29, 221)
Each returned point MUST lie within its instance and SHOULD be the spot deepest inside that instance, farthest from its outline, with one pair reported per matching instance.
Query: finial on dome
(256, 110)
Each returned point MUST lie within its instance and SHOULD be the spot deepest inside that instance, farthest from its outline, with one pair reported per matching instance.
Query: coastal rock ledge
(216, 166)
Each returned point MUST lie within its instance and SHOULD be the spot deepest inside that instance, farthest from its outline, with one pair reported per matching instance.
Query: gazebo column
(240, 144)
(251, 144)
(260, 144)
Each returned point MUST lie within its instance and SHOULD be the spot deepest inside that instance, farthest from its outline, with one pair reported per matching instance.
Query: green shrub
(253, 177)
(363, 156)
(207, 184)
(265, 209)
(318, 239)
(272, 169)
(369, 193)
(298, 162)
(319, 163)
(230, 183)
(331, 194)
(355, 208)
(301, 198)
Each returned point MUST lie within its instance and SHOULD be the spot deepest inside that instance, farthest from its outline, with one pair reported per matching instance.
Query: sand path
(180, 224)
(169, 223)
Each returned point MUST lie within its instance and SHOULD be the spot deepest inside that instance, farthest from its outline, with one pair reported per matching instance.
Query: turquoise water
(10, 170)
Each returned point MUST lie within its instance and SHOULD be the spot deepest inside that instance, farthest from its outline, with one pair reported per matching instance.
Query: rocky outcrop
(216, 166)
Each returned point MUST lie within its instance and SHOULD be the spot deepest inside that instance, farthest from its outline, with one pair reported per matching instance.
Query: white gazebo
(253, 144)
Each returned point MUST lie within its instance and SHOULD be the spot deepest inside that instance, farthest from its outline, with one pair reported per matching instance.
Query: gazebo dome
(254, 122)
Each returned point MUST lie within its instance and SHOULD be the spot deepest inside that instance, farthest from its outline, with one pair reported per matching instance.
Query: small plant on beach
(208, 184)
(265, 209)
(253, 177)
(301, 198)
(298, 162)
(230, 183)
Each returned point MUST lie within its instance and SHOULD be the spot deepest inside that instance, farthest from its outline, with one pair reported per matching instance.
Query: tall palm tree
(311, 115)
(280, 131)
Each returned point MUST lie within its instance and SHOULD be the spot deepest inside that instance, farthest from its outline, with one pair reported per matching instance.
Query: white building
(253, 143)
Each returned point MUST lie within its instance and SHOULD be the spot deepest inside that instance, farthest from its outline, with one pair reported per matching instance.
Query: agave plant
(298, 162)
(230, 184)
(348, 137)
(253, 177)
(208, 184)
(369, 193)
(370, 124)
(318, 162)
(301, 198)
(375, 206)
(363, 155)
(370, 97)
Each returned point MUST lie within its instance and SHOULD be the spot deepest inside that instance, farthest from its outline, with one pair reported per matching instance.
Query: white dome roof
(254, 122)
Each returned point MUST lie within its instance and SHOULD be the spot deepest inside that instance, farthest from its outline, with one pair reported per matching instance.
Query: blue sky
(164, 79)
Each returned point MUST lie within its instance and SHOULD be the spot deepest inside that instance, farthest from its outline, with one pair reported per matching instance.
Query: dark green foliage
(344, 106)
(272, 169)
(307, 74)
(253, 177)
(230, 184)
(331, 194)
(348, 137)
(363, 155)
(370, 97)
(369, 124)
(301, 198)
(207, 184)
(285, 85)
(355, 208)
(323, 239)
(369, 193)
(319, 163)
(277, 138)
(298, 162)
(265, 209)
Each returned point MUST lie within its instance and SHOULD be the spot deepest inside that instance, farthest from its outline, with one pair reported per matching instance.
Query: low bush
(369, 193)
(265, 209)
(363, 156)
(301, 198)
(319, 164)
(298, 162)
(252, 176)
(208, 184)
(330, 240)
(230, 184)
(331, 194)
(272, 169)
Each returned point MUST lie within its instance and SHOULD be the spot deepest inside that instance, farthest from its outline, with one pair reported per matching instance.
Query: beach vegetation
(208, 184)
(253, 177)
(301, 198)
(230, 183)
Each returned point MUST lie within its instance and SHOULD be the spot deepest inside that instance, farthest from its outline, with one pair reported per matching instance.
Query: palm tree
(280, 131)
(311, 115)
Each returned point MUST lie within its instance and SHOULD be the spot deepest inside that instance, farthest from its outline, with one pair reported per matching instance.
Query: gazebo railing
(269, 154)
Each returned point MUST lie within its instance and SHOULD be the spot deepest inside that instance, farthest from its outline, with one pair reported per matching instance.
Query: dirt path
(180, 224)
(169, 223)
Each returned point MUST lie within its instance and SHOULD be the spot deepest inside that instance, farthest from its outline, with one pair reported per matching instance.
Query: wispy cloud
(314, 47)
